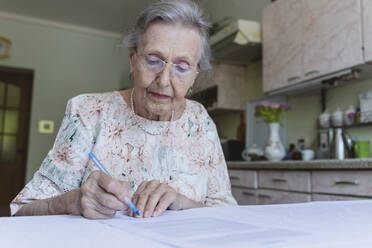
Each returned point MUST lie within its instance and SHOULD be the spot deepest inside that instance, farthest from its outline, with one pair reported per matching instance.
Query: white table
(346, 224)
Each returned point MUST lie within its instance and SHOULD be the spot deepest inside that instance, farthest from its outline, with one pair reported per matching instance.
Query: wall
(302, 121)
(65, 63)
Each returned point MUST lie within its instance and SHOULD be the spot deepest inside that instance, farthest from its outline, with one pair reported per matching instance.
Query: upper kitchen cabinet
(367, 33)
(304, 40)
(282, 21)
(225, 91)
(333, 37)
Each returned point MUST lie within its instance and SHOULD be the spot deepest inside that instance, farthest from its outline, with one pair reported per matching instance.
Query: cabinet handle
(248, 193)
(291, 79)
(339, 182)
(264, 196)
(234, 178)
(311, 73)
(279, 180)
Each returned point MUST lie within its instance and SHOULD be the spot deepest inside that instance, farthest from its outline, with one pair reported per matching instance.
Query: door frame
(28, 76)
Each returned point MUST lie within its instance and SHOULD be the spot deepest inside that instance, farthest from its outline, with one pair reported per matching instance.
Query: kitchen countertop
(318, 164)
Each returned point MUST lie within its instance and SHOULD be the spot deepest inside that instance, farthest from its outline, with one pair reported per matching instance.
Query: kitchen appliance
(325, 139)
(239, 42)
(342, 146)
(232, 149)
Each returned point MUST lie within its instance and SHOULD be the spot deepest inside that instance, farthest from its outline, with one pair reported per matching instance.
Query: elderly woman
(162, 150)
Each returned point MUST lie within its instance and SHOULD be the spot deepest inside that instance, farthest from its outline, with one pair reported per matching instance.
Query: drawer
(286, 180)
(358, 183)
(279, 197)
(244, 196)
(243, 178)
(325, 197)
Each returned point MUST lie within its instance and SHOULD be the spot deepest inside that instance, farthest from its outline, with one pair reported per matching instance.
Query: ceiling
(117, 15)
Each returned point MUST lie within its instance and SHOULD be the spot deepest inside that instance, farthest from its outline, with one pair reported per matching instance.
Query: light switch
(46, 126)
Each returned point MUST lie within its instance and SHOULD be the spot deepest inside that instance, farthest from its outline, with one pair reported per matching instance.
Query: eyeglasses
(182, 70)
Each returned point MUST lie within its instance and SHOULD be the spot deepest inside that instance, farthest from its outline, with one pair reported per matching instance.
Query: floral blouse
(185, 153)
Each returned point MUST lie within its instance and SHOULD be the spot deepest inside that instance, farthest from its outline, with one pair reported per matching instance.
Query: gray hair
(186, 12)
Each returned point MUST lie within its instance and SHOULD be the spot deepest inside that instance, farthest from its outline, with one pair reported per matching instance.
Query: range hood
(239, 42)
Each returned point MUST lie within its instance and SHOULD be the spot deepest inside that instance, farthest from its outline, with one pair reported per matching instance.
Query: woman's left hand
(152, 198)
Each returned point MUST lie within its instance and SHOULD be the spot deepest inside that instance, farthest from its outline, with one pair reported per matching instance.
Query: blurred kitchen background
(314, 56)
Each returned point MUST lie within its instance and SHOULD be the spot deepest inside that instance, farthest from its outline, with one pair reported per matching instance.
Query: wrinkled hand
(152, 198)
(101, 196)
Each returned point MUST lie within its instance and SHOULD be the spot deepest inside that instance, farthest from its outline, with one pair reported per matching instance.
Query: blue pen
(100, 166)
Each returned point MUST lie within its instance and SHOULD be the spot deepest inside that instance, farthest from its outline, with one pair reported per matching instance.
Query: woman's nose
(165, 76)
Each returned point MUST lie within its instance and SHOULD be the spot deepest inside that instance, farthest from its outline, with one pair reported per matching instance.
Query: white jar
(324, 119)
(337, 118)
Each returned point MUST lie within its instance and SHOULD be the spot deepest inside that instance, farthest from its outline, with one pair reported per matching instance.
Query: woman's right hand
(102, 195)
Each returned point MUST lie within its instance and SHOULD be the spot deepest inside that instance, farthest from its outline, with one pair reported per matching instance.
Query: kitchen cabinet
(303, 40)
(285, 180)
(256, 186)
(224, 91)
(265, 197)
(367, 34)
(282, 45)
(333, 37)
(357, 183)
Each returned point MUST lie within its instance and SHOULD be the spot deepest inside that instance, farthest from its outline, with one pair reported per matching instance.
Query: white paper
(316, 225)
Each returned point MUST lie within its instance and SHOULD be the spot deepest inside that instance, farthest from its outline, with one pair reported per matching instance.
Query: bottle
(357, 116)
(291, 149)
(297, 154)
(240, 132)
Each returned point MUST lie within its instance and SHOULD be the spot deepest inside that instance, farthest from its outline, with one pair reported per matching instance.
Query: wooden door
(333, 36)
(15, 102)
(367, 30)
(282, 24)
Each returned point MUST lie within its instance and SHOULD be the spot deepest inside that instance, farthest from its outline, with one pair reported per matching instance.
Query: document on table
(199, 228)
(317, 224)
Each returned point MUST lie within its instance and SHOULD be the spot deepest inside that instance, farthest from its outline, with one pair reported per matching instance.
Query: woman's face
(161, 87)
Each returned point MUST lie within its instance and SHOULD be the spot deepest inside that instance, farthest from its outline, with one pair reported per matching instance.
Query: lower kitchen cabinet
(244, 196)
(326, 197)
(265, 197)
(252, 187)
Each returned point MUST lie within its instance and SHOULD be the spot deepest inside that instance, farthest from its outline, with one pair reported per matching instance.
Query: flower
(271, 111)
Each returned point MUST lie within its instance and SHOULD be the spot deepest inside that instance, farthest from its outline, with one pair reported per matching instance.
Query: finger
(144, 195)
(135, 197)
(165, 201)
(115, 187)
(92, 209)
(108, 200)
(154, 199)
(93, 214)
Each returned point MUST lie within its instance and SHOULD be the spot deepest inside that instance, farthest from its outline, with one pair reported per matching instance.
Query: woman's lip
(159, 96)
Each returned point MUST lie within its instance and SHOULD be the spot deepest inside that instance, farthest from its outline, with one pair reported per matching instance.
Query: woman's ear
(131, 54)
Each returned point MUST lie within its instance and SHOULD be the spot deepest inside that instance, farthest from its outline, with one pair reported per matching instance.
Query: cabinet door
(282, 24)
(265, 197)
(354, 183)
(243, 178)
(244, 196)
(367, 32)
(285, 180)
(325, 197)
(333, 36)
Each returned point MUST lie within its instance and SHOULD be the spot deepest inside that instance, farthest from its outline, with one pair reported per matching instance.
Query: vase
(274, 149)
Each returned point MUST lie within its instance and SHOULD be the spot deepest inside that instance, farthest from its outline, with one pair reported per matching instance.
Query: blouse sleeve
(63, 168)
(219, 188)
